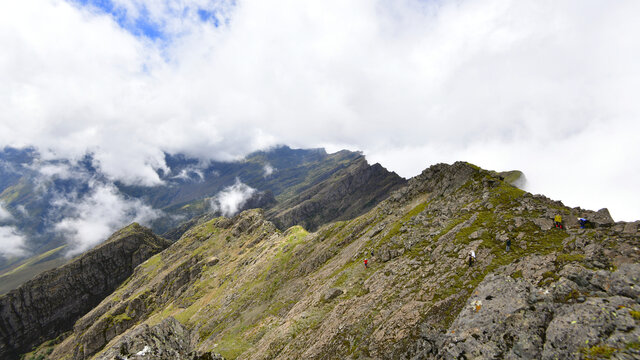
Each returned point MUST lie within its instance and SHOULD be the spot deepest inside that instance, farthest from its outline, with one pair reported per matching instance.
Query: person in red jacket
(366, 263)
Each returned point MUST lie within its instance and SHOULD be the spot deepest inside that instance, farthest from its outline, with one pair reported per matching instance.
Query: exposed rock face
(347, 194)
(168, 340)
(514, 319)
(48, 305)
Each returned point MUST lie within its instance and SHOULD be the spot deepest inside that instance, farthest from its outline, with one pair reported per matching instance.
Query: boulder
(601, 218)
(631, 228)
(331, 294)
(543, 223)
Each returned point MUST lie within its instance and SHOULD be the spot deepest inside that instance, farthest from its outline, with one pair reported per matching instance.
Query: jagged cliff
(48, 305)
(240, 288)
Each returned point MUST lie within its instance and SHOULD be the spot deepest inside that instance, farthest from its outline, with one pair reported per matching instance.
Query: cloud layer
(545, 87)
(91, 219)
(11, 240)
(232, 198)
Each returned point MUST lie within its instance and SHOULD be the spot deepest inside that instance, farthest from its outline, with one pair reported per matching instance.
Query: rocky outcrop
(347, 194)
(48, 305)
(515, 319)
(168, 340)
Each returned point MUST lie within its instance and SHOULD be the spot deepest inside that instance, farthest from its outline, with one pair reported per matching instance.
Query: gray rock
(564, 290)
(543, 223)
(577, 326)
(600, 218)
(166, 341)
(631, 228)
(212, 261)
(332, 294)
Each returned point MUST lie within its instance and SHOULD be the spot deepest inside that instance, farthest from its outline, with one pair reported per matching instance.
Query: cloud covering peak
(547, 88)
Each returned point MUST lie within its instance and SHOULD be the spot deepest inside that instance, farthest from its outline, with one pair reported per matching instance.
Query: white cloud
(545, 87)
(59, 170)
(23, 210)
(11, 242)
(231, 199)
(93, 218)
(4, 213)
(189, 174)
(268, 169)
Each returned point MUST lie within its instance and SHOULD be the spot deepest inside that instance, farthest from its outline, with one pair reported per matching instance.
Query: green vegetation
(635, 314)
(634, 345)
(511, 177)
(567, 258)
(548, 277)
(505, 194)
(599, 352)
(29, 268)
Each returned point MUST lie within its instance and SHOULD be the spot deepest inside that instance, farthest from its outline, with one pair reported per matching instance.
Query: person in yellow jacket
(558, 221)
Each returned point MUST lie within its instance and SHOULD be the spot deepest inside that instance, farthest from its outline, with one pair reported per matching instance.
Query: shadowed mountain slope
(48, 305)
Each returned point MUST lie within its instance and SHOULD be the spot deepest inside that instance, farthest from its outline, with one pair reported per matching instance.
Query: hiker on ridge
(558, 221)
(583, 222)
(366, 263)
(509, 244)
(472, 257)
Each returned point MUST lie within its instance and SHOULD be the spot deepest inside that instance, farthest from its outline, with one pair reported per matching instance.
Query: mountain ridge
(241, 288)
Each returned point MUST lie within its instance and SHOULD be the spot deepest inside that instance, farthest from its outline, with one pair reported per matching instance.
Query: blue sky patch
(142, 26)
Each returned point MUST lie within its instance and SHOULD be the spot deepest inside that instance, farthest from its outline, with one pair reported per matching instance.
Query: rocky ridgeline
(48, 305)
(240, 288)
(348, 193)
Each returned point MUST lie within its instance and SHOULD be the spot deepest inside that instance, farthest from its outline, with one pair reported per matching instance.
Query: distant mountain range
(51, 202)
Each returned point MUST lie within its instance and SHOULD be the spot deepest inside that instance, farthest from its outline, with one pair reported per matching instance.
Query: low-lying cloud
(4, 213)
(545, 87)
(190, 174)
(268, 170)
(11, 242)
(232, 198)
(92, 218)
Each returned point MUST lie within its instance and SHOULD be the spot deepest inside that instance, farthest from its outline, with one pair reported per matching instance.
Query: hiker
(472, 257)
(508, 244)
(366, 263)
(558, 221)
(583, 222)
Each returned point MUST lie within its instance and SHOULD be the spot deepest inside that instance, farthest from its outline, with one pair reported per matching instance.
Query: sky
(546, 87)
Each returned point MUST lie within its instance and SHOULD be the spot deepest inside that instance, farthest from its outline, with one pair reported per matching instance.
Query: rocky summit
(241, 288)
